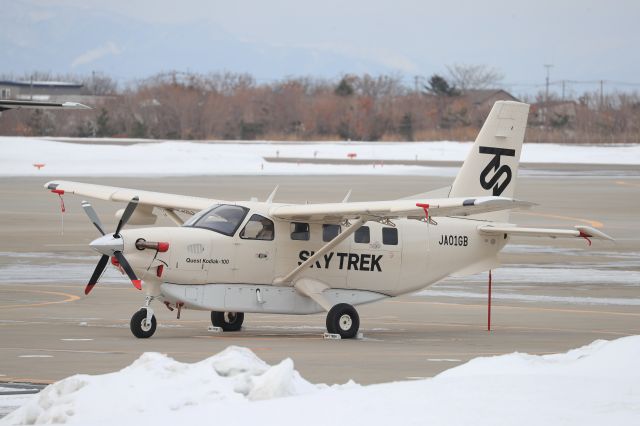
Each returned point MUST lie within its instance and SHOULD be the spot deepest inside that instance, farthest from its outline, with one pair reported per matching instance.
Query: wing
(182, 203)
(5, 105)
(579, 231)
(436, 207)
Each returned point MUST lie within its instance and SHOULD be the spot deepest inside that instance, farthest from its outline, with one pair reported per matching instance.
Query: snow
(170, 158)
(596, 384)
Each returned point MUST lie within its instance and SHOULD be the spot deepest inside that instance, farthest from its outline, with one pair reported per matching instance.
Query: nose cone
(107, 244)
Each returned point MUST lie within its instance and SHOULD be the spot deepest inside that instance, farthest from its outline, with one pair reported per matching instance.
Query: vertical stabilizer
(491, 168)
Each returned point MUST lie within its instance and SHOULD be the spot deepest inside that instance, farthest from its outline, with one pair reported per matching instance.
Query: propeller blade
(93, 216)
(128, 270)
(126, 215)
(96, 273)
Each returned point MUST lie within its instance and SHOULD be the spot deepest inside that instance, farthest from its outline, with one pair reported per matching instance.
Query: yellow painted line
(621, 182)
(68, 298)
(79, 286)
(594, 223)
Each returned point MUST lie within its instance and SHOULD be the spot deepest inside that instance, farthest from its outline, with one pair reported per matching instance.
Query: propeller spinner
(110, 245)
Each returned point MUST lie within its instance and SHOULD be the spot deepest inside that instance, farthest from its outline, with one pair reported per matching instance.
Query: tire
(227, 321)
(343, 319)
(138, 325)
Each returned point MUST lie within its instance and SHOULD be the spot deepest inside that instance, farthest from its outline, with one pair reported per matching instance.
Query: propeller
(110, 245)
(93, 216)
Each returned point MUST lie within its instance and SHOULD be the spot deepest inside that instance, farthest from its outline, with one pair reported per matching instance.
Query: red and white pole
(489, 304)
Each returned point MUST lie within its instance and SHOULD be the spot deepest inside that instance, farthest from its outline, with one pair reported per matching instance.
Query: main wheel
(140, 327)
(227, 321)
(343, 319)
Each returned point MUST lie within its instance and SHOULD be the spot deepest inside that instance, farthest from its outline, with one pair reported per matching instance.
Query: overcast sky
(584, 40)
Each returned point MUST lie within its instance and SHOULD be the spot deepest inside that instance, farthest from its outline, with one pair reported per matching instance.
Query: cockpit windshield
(224, 218)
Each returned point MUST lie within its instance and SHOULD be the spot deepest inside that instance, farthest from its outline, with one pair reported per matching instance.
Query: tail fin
(491, 168)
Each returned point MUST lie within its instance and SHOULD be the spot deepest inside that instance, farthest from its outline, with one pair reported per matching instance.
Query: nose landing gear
(141, 326)
(143, 323)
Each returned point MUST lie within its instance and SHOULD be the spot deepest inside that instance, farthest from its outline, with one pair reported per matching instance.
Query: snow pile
(169, 158)
(155, 383)
(596, 384)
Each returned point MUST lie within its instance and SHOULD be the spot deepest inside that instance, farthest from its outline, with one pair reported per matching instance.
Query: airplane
(237, 257)
(7, 104)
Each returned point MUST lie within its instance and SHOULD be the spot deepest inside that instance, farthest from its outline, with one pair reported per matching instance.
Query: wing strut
(174, 217)
(325, 248)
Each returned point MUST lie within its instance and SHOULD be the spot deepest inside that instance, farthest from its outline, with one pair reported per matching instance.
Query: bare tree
(467, 76)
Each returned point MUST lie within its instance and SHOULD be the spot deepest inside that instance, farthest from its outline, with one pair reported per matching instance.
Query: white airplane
(6, 104)
(232, 257)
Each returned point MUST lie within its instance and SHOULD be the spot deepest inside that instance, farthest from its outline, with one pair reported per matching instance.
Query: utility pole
(546, 92)
(601, 93)
(563, 90)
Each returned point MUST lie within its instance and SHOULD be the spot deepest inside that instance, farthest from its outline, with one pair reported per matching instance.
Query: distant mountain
(39, 37)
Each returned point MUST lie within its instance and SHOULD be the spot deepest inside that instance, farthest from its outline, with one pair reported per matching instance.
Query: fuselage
(390, 259)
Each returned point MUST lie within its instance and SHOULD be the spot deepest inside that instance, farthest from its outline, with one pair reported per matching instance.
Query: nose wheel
(143, 325)
(343, 319)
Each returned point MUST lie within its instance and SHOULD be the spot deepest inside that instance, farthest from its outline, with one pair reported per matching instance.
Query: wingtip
(137, 284)
(88, 288)
(594, 233)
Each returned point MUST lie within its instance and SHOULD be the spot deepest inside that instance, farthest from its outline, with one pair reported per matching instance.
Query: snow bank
(596, 384)
(19, 154)
(156, 383)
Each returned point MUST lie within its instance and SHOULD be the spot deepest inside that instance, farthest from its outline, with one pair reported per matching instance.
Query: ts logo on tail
(498, 170)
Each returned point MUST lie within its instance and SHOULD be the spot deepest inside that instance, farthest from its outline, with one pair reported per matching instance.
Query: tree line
(233, 106)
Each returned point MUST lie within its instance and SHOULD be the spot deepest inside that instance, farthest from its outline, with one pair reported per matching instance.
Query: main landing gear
(343, 319)
(227, 321)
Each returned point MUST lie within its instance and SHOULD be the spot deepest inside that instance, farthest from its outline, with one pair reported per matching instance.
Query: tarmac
(49, 330)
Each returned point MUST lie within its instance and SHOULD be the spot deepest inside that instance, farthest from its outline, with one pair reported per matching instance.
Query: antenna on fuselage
(272, 195)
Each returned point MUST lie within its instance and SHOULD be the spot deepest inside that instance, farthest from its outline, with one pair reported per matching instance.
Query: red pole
(489, 304)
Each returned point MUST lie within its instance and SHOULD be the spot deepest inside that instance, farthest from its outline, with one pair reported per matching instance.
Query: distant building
(40, 90)
(485, 98)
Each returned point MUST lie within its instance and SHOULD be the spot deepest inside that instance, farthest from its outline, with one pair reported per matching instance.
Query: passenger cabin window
(258, 228)
(390, 236)
(299, 231)
(329, 232)
(362, 235)
(224, 219)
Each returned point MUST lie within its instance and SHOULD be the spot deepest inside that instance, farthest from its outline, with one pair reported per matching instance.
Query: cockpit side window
(258, 228)
(224, 219)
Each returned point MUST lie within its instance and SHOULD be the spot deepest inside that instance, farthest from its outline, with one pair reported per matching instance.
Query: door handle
(262, 255)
